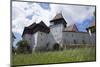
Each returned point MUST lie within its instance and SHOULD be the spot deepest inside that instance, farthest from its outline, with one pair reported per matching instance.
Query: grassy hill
(68, 55)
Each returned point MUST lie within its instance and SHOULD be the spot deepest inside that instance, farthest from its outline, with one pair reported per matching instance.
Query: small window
(41, 33)
(72, 35)
(47, 44)
(41, 39)
(64, 41)
(83, 41)
(75, 42)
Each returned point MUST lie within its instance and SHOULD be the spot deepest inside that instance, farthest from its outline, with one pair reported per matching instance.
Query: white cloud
(72, 14)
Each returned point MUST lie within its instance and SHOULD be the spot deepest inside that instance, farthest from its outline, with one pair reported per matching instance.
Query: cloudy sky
(26, 13)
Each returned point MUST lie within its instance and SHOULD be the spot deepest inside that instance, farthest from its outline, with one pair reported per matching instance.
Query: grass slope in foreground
(69, 55)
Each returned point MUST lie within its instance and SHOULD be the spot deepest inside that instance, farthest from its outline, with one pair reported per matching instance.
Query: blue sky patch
(30, 17)
(44, 5)
(82, 26)
(18, 37)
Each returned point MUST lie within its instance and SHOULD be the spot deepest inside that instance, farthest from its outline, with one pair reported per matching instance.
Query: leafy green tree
(23, 47)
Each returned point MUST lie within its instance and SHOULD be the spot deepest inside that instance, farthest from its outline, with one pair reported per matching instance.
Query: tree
(23, 47)
(13, 50)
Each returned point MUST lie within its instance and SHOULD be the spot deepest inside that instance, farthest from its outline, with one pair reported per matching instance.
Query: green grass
(69, 55)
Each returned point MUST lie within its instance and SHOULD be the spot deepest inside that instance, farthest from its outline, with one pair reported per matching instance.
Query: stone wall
(78, 38)
(46, 41)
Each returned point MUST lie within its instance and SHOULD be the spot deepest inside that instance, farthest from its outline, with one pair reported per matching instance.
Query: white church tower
(57, 25)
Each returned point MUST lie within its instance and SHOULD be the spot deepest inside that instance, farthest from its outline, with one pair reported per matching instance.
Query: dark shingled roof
(58, 16)
(36, 27)
(58, 19)
(32, 26)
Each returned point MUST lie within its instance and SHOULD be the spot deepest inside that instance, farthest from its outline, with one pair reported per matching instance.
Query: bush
(23, 47)
(13, 50)
(56, 46)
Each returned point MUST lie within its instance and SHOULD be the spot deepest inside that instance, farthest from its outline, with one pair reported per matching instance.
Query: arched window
(56, 46)
(72, 35)
(47, 45)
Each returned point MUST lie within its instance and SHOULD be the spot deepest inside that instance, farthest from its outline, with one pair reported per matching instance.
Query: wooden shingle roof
(58, 16)
(58, 19)
(32, 26)
(72, 28)
(36, 27)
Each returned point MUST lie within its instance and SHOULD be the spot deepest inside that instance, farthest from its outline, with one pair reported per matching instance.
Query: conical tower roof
(58, 16)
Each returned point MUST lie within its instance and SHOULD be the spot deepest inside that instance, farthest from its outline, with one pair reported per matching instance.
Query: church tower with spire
(57, 25)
